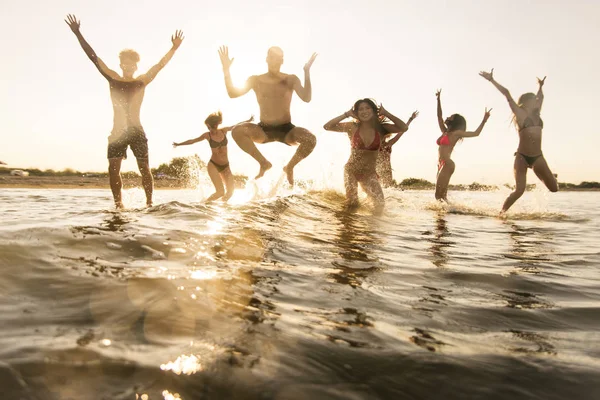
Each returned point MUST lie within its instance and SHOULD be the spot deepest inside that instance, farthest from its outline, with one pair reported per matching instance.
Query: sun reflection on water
(186, 365)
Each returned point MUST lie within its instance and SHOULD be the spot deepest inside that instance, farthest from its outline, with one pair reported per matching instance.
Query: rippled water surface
(292, 298)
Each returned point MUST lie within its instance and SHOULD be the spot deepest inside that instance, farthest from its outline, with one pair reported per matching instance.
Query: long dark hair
(380, 119)
(214, 119)
(458, 123)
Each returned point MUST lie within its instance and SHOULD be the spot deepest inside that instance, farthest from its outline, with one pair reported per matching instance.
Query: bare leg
(351, 185)
(541, 169)
(245, 135)
(373, 189)
(443, 180)
(520, 168)
(114, 176)
(227, 177)
(307, 142)
(215, 178)
(147, 181)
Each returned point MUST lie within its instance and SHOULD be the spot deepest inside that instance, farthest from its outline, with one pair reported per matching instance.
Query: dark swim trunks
(276, 133)
(133, 137)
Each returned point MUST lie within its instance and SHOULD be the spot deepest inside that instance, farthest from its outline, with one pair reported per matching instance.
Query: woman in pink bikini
(365, 133)
(529, 153)
(454, 129)
(218, 166)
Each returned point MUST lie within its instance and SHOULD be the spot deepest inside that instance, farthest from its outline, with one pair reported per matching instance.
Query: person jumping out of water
(218, 166)
(365, 133)
(274, 91)
(127, 94)
(526, 115)
(454, 129)
(384, 158)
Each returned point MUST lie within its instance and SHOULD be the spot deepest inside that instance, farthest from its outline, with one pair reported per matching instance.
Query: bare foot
(149, 204)
(502, 214)
(290, 174)
(119, 205)
(264, 167)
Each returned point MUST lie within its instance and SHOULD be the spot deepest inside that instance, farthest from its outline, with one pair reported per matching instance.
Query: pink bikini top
(357, 143)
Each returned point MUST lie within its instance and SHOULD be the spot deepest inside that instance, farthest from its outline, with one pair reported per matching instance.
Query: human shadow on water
(440, 242)
(530, 247)
(355, 242)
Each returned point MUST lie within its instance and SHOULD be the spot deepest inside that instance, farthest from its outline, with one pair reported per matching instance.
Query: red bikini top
(357, 142)
(443, 140)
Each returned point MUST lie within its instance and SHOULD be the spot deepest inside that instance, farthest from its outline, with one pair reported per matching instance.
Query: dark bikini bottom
(530, 160)
(220, 167)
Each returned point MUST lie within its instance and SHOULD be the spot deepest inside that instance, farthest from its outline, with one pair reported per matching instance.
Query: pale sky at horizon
(56, 111)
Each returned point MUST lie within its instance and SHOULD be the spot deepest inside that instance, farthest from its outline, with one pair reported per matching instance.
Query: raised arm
(232, 91)
(336, 124)
(75, 25)
(440, 116)
(511, 102)
(192, 141)
(305, 92)
(149, 76)
(477, 132)
(393, 141)
(229, 128)
(399, 126)
(540, 94)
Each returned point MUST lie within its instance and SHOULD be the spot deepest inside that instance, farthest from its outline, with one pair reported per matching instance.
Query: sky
(55, 109)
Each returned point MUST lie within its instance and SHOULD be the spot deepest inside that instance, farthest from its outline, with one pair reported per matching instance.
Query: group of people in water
(371, 128)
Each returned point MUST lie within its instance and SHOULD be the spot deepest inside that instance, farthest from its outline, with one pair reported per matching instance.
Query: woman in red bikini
(365, 134)
(384, 158)
(218, 166)
(529, 153)
(454, 129)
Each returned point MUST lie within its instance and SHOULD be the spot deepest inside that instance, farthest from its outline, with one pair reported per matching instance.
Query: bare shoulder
(291, 79)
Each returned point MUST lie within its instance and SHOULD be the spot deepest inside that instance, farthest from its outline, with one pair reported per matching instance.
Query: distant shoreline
(76, 182)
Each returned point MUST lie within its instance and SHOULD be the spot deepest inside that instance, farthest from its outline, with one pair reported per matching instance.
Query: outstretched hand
(541, 81)
(250, 119)
(73, 23)
(487, 75)
(224, 56)
(414, 115)
(310, 62)
(177, 38)
(487, 114)
(438, 93)
(175, 144)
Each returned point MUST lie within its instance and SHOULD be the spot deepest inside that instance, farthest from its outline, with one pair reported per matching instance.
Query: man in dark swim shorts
(127, 94)
(274, 92)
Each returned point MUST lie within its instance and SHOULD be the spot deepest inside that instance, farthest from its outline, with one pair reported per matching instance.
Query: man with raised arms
(274, 91)
(127, 94)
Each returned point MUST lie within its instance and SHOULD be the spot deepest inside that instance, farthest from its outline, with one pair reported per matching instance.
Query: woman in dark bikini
(454, 129)
(384, 158)
(365, 134)
(218, 166)
(529, 153)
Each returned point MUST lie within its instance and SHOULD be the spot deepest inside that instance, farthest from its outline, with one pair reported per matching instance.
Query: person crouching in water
(365, 134)
(218, 166)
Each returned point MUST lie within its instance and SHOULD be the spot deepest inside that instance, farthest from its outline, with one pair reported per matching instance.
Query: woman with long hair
(218, 166)
(527, 119)
(454, 129)
(369, 125)
(384, 158)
